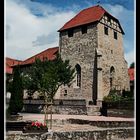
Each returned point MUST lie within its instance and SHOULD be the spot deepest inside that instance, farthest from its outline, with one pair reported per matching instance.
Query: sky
(32, 25)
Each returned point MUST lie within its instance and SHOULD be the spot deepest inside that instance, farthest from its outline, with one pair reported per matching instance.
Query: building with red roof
(11, 62)
(132, 79)
(87, 16)
(48, 53)
(131, 74)
(93, 43)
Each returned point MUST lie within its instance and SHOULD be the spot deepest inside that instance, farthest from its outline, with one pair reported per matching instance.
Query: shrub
(7, 114)
(16, 100)
(116, 100)
(113, 96)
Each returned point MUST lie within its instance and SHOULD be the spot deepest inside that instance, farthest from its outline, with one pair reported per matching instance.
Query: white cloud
(24, 28)
(130, 57)
(28, 34)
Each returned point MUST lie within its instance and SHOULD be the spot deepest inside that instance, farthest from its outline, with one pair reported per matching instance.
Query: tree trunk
(46, 114)
(51, 116)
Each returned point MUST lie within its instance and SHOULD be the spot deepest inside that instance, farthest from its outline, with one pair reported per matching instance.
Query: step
(104, 124)
(99, 134)
(16, 125)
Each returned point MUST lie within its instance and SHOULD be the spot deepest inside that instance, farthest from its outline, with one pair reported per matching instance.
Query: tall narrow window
(112, 76)
(70, 33)
(115, 35)
(106, 30)
(78, 74)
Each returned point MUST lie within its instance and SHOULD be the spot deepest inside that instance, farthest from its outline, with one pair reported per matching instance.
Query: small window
(115, 35)
(84, 29)
(70, 33)
(108, 19)
(112, 51)
(78, 72)
(106, 30)
(65, 91)
(79, 49)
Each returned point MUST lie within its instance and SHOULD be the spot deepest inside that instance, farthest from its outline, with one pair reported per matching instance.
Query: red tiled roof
(131, 73)
(86, 16)
(49, 54)
(9, 63)
(8, 69)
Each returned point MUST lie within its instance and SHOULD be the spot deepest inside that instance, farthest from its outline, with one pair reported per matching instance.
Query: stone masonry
(112, 56)
(80, 49)
(100, 57)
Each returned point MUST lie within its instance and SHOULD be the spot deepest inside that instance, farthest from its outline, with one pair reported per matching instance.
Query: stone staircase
(79, 128)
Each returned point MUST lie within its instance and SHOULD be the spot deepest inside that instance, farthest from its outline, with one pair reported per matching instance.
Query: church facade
(93, 42)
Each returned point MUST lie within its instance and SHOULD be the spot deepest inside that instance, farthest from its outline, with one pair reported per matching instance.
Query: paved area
(40, 117)
(72, 127)
(75, 127)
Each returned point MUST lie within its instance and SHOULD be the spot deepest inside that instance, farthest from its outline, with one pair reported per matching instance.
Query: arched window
(78, 74)
(112, 75)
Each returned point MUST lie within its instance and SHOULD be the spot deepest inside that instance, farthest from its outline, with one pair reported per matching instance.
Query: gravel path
(40, 117)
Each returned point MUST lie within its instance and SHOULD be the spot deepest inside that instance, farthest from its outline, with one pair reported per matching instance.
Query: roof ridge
(93, 7)
(79, 13)
(86, 16)
(39, 53)
(13, 59)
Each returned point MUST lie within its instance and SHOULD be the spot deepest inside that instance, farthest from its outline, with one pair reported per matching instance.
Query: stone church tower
(93, 42)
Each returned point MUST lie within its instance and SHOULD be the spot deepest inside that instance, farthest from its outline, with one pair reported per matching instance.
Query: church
(93, 42)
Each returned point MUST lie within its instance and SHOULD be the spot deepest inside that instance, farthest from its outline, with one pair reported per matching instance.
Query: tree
(132, 65)
(9, 82)
(47, 76)
(16, 100)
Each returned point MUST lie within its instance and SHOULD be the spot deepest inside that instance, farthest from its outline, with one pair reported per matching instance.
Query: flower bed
(35, 127)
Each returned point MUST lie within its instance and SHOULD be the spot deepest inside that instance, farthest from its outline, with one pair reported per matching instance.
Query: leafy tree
(9, 82)
(16, 100)
(132, 65)
(32, 77)
(47, 76)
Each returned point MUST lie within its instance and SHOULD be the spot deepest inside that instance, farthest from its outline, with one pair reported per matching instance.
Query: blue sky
(31, 25)
(129, 4)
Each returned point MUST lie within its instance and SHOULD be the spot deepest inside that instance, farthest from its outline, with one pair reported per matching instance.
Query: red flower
(36, 124)
(33, 124)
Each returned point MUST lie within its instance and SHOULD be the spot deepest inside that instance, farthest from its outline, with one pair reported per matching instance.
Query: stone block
(93, 110)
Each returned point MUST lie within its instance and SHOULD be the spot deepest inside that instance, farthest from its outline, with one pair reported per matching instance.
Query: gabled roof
(9, 63)
(86, 16)
(49, 54)
(131, 74)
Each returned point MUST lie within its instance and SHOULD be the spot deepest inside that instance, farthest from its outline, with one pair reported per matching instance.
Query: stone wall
(103, 124)
(119, 134)
(106, 134)
(112, 56)
(60, 106)
(80, 49)
(127, 113)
